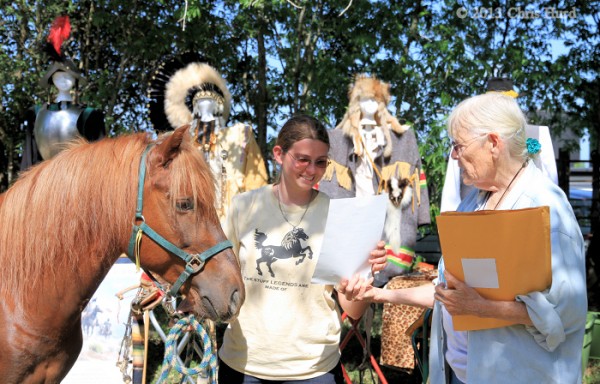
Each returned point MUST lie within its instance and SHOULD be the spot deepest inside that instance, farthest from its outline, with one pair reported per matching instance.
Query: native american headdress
(59, 32)
(363, 87)
(175, 86)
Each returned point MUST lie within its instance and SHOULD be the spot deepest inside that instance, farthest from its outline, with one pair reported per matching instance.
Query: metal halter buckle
(195, 263)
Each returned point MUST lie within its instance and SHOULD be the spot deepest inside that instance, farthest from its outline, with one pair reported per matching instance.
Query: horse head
(179, 205)
(299, 233)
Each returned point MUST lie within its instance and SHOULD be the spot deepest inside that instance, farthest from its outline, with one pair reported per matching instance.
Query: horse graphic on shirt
(290, 248)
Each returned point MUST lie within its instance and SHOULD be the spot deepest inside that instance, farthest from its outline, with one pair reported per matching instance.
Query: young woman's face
(304, 163)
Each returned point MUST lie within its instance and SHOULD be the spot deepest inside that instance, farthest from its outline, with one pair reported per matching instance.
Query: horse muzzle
(213, 306)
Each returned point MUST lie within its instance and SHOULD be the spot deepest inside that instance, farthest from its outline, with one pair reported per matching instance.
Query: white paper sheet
(480, 273)
(354, 226)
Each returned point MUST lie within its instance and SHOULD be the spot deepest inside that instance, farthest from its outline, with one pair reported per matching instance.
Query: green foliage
(281, 57)
(433, 147)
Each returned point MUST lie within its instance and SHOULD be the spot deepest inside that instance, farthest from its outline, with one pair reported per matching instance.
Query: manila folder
(500, 254)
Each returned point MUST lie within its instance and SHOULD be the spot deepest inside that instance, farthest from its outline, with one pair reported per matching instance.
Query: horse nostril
(235, 297)
(235, 302)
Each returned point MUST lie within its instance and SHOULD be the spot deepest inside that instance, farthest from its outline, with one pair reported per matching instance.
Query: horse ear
(167, 150)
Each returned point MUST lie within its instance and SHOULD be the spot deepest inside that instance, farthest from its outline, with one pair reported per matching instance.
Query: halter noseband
(193, 263)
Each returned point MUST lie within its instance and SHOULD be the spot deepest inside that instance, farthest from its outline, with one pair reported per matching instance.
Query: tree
(281, 57)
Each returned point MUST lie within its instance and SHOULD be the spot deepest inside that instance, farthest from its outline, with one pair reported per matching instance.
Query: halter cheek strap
(193, 262)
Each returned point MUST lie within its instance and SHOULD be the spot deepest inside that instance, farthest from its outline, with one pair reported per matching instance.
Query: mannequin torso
(373, 142)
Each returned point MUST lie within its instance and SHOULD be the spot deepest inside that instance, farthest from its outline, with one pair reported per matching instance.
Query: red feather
(60, 31)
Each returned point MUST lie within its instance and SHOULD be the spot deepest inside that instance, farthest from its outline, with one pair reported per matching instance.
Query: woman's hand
(355, 287)
(420, 296)
(459, 298)
(378, 258)
(372, 294)
(349, 292)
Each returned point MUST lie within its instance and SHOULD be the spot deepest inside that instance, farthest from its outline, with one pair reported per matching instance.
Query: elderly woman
(488, 133)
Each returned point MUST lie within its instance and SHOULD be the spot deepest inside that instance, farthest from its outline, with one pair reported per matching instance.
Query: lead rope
(209, 359)
(138, 242)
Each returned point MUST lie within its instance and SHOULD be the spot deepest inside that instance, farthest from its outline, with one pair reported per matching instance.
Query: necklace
(509, 184)
(283, 214)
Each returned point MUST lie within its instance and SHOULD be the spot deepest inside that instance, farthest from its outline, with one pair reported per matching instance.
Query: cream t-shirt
(288, 328)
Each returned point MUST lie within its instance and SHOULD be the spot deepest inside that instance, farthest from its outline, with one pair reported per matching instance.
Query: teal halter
(193, 263)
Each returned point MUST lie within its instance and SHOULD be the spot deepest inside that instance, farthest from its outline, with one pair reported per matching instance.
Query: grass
(592, 373)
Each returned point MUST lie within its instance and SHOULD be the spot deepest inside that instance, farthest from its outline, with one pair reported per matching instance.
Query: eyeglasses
(460, 148)
(303, 162)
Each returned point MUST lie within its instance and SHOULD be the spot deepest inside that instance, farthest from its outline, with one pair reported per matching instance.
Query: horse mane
(191, 173)
(77, 207)
(290, 239)
(259, 238)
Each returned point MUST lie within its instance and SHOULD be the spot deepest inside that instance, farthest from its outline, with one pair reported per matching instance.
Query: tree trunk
(262, 101)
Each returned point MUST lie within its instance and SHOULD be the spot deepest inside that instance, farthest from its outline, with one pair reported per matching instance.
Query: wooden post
(564, 170)
(595, 210)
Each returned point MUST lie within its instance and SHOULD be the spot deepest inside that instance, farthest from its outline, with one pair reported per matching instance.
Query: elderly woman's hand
(458, 297)
(378, 258)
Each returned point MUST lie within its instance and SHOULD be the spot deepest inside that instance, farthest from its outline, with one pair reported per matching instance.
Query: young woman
(288, 330)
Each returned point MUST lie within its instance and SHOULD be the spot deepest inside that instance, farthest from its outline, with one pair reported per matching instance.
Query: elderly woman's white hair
(492, 112)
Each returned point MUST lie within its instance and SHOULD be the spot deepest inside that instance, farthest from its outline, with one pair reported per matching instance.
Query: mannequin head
(207, 118)
(205, 109)
(369, 98)
(368, 108)
(190, 95)
(65, 67)
(64, 82)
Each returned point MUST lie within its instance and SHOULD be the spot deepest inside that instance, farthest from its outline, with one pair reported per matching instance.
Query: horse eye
(184, 205)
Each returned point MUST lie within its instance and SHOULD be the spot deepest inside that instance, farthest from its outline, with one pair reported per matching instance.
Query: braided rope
(209, 359)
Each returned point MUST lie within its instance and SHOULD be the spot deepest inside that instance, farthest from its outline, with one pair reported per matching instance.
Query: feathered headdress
(364, 87)
(59, 32)
(177, 84)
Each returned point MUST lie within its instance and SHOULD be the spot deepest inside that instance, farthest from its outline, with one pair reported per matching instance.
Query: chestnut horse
(67, 220)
